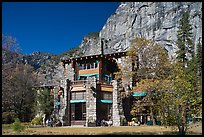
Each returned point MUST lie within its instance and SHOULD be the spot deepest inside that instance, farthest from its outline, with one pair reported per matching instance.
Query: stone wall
(69, 72)
(118, 112)
(65, 73)
(91, 101)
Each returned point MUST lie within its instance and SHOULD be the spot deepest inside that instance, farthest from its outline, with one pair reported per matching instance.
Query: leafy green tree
(182, 87)
(44, 102)
(180, 91)
(150, 64)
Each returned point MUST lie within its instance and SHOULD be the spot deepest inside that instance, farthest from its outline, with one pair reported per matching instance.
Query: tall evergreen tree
(184, 39)
(199, 59)
(186, 83)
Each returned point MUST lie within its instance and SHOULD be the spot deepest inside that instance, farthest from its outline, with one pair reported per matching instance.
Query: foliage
(14, 97)
(71, 51)
(44, 102)
(184, 38)
(134, 119)
(178, 83)
(182, 94)
(37, 121)
(199, 59)
(149, 60)
(186, 81)
(123, 121)
(150, 65)
(138, 107)
(17, 127)
(92, 35)
(8, 117)
(183, 86)
(17, 83)
(10, 48)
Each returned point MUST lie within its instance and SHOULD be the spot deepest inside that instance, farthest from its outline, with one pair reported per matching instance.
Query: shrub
(135, 120)
(8, 117)
(123, 121)
(17, 127)
(37, 121)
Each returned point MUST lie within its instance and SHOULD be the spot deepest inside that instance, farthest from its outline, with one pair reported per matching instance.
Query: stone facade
(118, 112)
(91, 101)
(69, 72)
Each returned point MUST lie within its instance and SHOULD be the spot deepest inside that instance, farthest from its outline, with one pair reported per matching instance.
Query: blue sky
(53, 27)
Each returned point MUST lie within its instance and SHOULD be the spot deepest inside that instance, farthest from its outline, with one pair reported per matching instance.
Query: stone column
(116, 116)
(91, 101)
(118, 112)
(56, 88)
(68, 110)
(66, 107)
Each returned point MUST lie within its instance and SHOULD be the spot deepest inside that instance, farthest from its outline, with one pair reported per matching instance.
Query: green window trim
(139, 94)
(88, 75)
(105, 101)
(77, 101)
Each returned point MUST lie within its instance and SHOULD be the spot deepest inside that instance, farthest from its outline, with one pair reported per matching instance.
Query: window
(107, 96)
(78, 96)
(88, 65)
(83, 77)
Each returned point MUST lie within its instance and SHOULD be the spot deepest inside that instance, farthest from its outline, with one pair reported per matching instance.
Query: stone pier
(117, 103)
(91, 101)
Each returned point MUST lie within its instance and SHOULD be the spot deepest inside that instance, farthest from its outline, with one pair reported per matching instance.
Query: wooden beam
(100, 69)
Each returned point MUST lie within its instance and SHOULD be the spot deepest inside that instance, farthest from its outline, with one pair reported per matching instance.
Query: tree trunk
(152, 116)
(183, 124)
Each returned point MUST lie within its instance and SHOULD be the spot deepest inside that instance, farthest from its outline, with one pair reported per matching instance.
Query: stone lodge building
(89, 92)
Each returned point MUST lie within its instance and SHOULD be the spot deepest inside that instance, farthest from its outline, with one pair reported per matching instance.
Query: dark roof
(108, 56)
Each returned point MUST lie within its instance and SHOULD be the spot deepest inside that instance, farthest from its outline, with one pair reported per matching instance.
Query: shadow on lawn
(150, 133)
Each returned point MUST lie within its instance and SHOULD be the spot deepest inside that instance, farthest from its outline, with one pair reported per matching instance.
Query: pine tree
(186, 84)
(184, 39)
(199, 58)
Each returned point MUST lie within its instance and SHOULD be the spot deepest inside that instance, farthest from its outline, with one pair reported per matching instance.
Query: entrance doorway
(78, 113)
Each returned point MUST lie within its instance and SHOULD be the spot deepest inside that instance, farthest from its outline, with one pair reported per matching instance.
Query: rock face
(90, 45)
(157, 21)
(36, 59)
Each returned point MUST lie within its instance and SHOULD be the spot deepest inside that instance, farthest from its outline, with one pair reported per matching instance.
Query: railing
(103, 82)
(82, 82)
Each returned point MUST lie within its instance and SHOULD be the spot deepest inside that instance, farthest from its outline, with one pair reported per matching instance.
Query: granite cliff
(157, 21)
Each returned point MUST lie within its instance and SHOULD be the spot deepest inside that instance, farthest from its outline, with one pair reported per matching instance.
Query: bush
(123, 121)
(17, 127)
(135, 120)
(8, 117)
(37, 121)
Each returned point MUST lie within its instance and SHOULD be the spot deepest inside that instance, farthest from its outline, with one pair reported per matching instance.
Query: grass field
(138, 130)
